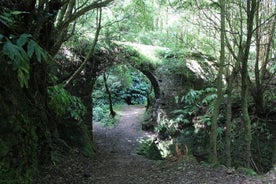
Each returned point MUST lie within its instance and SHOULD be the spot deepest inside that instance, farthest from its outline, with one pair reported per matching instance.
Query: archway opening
(119, 86)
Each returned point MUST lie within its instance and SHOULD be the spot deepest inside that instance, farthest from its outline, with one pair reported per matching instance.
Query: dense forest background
(61, 66)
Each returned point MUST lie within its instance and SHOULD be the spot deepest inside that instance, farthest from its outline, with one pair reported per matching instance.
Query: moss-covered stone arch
(153, 81)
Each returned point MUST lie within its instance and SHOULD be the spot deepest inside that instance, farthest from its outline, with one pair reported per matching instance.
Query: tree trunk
(243, 56)
(215, 115)
(112, 112)
(245, 114)
(228, 120)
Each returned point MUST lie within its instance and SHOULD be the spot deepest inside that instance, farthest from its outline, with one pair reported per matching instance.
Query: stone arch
(167, 85)
(153, 81)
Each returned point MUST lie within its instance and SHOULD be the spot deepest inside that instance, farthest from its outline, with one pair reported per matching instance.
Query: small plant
(167, 128)
(102, 115)
(99, 112)
(148, 148)
(247, 171)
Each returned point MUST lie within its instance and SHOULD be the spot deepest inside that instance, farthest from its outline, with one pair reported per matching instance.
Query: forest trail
(118, 163)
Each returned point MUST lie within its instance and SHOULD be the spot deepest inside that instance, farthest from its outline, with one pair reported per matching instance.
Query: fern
(14, 49)
(209, 99)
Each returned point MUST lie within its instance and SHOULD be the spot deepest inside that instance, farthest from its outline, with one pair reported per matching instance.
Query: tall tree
(228, 122)
(243, 57)
(30, 31)
(215, 115)
(241, 34)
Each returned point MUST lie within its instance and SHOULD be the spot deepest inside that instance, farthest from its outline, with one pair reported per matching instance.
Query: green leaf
(18, 12)
(23, 55)
(38, 54)
(19, 60)
(5, 20)
(22, 78)
(31, 47)
(22, 39)
(43, 54)
(10, 50)
(1, 37)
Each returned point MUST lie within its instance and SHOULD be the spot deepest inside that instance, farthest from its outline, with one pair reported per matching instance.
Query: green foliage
(62, 102)
(140, 15)
(143, 56)
(101, 114)
(167, 148)
(191, 124)
(8, 17)
(24, 126)
(167, 128)
(138, 90)
(247, 171)
(148, 148)
(19, 50)
(127, 86)
(196, 111)
(194, 100)
(175, 62)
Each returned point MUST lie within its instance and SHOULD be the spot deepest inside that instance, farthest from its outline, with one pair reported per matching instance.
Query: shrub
(148, 148)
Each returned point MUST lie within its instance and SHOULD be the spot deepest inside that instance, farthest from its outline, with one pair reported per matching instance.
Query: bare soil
(117, 162)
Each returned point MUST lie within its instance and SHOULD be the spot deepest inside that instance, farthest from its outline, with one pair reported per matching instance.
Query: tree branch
(81, 12)
(91, 52)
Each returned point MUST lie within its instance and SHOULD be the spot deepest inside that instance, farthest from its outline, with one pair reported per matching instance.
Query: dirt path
(117, 159)
(120, 140)
(118, 163)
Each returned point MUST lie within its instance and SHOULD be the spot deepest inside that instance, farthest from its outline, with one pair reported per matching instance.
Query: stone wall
(172, 86)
